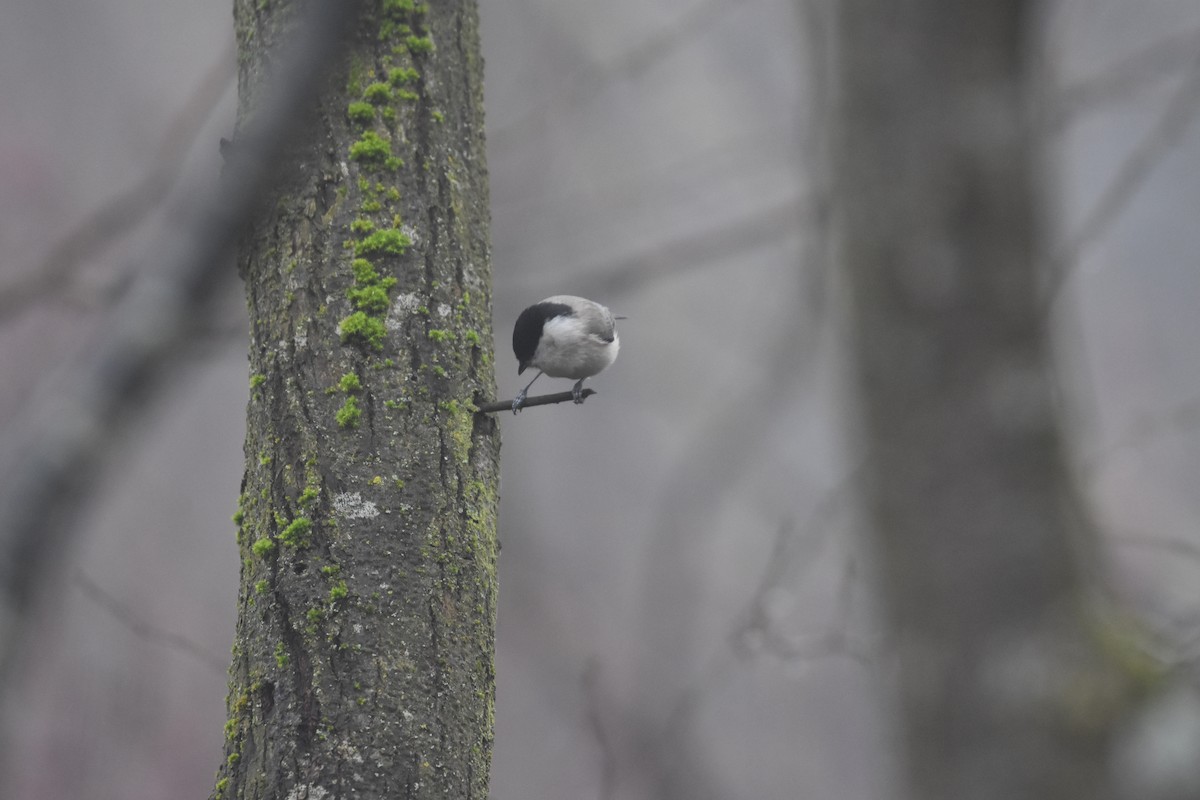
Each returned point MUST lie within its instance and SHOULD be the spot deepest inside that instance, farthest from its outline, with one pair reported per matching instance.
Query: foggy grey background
(684, 606)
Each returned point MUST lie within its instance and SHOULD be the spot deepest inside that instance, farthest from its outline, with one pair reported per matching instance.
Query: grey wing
(598, 321)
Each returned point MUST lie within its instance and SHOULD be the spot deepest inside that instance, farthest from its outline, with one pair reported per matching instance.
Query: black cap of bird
(564, 337)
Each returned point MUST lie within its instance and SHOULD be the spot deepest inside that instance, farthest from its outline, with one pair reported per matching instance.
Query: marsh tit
(564, 337)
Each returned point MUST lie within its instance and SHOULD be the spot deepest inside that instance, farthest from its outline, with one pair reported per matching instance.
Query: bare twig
(540, 400)
(119, 214)
(144, 630)
(67, 436)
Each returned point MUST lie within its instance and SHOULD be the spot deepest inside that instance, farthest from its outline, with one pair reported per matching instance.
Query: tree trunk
(1007, 688)
(363, 663)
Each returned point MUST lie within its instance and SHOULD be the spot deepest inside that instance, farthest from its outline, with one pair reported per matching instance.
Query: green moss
(314, 615)
(350, 383)
(459, 425)
(439, 370)
(402, 75)
(364, 330)
(364, 271)
(262, 587)
(397, 7)
(330, 569)
(438, 116)
(257, 380)
(419, 44)
(389, 241)
(361, 112)
(371, 148)
(472, 338)
(281, 656)
(263, 546)
(378, 93)
(296, 533)
(349, 414)
(438, 335)
(362, 226)
(371, 206)
(407, 94)
(372, 299)
(338, 592)
(306, 497)
(222, 785)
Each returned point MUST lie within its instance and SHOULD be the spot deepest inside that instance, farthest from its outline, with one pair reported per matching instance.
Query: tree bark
(363, 662)
(1007, 685)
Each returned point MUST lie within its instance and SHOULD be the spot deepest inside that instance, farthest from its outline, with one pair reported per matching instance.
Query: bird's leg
(520, 398)
(577, 391)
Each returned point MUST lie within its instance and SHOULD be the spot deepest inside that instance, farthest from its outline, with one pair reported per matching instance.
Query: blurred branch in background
(761, 228)
(1123, 79)
(144, 630)
(1181, 419)
(573, 91)
(1162, 138)
(119, 214)
(72, 431)
(596, 704)
(666, 745)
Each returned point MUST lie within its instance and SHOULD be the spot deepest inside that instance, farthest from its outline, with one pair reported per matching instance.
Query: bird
(564, 336)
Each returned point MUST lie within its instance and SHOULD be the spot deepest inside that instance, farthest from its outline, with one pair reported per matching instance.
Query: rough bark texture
(363, 664)
(1008, 686)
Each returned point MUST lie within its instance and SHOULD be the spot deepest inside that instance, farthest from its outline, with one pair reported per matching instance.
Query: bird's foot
(577, 393)
(518, 401)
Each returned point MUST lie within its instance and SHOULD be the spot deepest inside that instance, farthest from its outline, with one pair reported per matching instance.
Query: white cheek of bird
(564, 336)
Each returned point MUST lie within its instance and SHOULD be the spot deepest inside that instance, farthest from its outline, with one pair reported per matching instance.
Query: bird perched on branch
(564, 337)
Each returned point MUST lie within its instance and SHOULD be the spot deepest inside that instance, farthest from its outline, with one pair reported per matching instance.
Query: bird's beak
(522, 367)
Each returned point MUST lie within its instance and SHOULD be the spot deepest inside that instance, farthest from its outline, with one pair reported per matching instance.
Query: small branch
(540, 400)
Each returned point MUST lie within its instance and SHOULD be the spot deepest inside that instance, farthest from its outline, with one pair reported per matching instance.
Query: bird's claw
(518, 401)
(577, 393)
